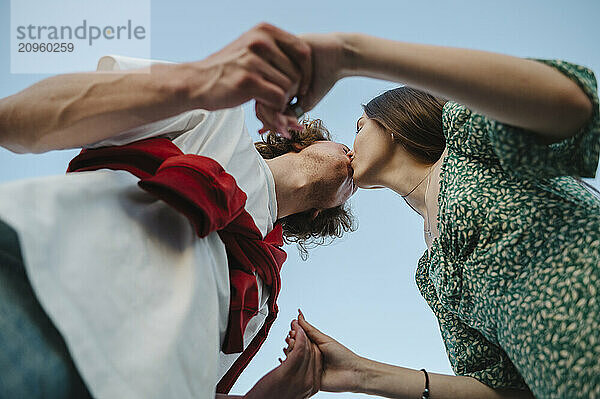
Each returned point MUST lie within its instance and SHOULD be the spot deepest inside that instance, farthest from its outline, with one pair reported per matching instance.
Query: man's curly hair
(300, 228)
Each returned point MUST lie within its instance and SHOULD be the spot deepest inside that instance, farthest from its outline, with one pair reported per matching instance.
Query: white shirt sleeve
(122, 63)
(170, 127)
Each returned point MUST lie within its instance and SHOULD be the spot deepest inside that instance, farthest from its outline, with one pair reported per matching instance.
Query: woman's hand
(329, 61)
(341, 366)
(299, 374)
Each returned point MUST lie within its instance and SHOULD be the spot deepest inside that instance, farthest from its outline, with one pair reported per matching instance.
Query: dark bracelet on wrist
(425, 394)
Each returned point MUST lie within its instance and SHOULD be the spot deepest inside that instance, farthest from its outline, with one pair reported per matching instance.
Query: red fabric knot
(199, 188)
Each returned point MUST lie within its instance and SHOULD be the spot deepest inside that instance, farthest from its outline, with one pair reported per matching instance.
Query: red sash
(199, 188)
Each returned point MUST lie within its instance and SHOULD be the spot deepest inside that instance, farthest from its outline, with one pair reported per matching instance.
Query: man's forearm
(399, 382)
(77, 109)
(72, 110)
(513, 90)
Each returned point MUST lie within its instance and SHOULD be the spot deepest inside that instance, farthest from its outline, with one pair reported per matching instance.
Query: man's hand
(299, 374)
(341, 366)
(329, 61)
(265, 63)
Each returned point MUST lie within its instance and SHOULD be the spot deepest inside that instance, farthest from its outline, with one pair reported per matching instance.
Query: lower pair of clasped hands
(313, 362)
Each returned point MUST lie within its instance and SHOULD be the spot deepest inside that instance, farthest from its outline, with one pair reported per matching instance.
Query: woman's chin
(356, 179)
(360, 183)
(363, 177)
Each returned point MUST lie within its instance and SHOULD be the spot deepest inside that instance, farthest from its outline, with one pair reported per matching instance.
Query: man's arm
(75, 109)
(72, 110)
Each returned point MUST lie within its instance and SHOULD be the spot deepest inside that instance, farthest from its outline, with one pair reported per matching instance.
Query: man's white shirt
(141, 301)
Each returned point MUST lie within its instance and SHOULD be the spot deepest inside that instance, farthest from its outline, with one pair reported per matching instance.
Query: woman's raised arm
(512, 90)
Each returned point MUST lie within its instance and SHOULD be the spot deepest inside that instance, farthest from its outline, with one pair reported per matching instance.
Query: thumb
(313, 333)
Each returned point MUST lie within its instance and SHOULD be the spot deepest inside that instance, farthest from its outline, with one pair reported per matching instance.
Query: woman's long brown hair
(414, 118)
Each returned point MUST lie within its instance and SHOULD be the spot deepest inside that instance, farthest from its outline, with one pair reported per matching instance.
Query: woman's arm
(512, 90)
(344, 371)
(72, 110)
(400, 382)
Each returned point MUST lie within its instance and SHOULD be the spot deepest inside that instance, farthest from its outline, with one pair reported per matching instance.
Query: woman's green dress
(514, 276)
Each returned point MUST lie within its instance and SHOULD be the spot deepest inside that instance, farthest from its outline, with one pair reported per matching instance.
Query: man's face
(329, 170)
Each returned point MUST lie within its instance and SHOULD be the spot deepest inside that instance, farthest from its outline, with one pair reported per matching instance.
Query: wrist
(351, 53)
(189, 84)
(375, 378)
(380, 379)
(365, 372)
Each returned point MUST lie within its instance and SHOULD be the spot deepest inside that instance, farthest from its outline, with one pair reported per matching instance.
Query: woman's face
(373, 149)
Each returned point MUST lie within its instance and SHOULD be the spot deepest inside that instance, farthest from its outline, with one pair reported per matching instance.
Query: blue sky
(360, 289)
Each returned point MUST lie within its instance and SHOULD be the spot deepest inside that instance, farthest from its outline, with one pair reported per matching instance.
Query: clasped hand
(314, 362)
(272, 66)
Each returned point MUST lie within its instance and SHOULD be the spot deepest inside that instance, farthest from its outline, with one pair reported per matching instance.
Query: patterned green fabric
(514, 277)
